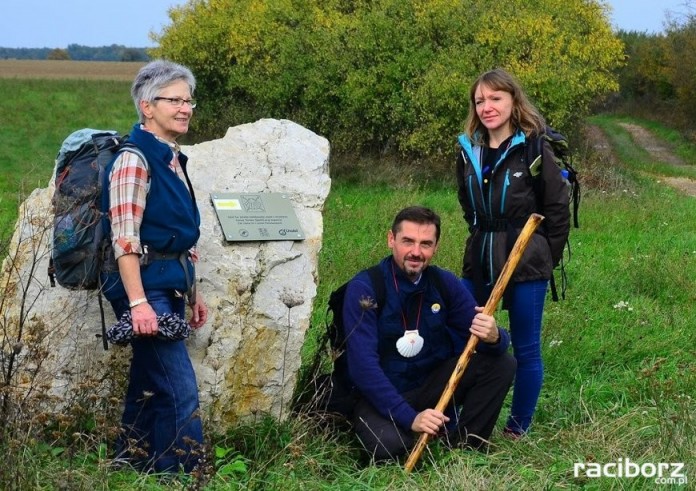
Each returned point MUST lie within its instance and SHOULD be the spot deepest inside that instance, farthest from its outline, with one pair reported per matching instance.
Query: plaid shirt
(128, 197)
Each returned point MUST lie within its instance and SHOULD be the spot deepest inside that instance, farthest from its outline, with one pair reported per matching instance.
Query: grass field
(620, 352)
(38, 116)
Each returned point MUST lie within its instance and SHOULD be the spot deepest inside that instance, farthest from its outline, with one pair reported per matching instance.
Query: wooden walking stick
(492, 303)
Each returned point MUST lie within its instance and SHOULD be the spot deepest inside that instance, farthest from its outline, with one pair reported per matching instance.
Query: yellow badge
(435, 308)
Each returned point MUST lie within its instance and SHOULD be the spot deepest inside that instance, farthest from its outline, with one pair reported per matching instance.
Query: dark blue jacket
(376, 368)
(170, 222)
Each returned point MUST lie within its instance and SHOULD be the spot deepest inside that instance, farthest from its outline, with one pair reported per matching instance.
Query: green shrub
(387, 75)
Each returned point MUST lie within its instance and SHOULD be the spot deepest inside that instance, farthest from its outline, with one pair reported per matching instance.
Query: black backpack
(336, 392)
(336, 331)
(562, 158)
(79, 238)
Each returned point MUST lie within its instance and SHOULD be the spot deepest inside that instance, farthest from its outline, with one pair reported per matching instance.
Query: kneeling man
(401, 355)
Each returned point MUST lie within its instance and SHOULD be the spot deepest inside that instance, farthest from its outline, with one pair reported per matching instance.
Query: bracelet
(137, 302)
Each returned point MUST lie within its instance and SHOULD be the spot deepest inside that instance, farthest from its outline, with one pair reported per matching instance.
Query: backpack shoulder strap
(129, 147)
(375, 274)
(435, 277)
(533, 149)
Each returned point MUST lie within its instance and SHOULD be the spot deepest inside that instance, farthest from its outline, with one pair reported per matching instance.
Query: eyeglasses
(177, 101)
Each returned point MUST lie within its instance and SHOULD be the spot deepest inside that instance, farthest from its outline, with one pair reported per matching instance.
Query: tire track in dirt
(652, 145)
(657, 149)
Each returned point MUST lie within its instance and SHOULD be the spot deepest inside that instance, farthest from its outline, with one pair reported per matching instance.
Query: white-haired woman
(154, 223)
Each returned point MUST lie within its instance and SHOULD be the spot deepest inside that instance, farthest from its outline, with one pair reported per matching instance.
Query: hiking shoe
(511, 434)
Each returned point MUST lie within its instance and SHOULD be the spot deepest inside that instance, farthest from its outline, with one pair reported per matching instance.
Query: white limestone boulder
(259, 294)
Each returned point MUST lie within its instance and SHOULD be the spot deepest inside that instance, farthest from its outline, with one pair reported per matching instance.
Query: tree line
(657, 78)
(387, 75)
(392, 77)
(115, 52)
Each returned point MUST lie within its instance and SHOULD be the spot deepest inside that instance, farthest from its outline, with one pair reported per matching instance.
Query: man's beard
(413, 272)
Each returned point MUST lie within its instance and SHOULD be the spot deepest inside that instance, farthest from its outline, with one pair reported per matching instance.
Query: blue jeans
(525, 312)
(161, 408)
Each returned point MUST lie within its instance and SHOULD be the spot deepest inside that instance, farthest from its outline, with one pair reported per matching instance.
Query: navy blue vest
(170, 222)
(421, 306)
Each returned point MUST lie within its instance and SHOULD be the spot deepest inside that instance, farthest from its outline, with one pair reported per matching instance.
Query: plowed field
(53, 69)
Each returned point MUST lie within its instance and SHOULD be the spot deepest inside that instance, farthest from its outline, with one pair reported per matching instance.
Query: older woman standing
(154, 224)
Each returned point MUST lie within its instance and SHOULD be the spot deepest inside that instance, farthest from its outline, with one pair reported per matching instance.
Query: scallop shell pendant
(410, 344)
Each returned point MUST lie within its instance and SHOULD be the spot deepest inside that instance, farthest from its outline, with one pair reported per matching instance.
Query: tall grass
(619, 351)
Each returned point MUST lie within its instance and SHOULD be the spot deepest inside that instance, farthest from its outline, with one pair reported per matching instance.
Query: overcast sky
(57, 23)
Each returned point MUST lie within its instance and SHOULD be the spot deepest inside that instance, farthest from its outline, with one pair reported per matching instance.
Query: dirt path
(654, 147)
(652, 144)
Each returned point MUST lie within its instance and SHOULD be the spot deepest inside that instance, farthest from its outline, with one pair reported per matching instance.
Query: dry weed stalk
(54, 391)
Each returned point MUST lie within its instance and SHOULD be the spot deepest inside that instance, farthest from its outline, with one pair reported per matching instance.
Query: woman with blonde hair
(498, 189)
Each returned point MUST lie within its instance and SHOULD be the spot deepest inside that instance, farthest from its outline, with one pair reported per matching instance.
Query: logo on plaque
(253, 203)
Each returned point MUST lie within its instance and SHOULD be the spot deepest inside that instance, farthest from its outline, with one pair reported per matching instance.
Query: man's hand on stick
(429, 421)
(484, 327)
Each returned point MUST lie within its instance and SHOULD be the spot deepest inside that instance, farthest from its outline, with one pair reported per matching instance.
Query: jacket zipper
(471, 198)
(506, 184)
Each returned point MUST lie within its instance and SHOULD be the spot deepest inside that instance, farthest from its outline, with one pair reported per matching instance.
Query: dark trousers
(161, 427)
(476, 403)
